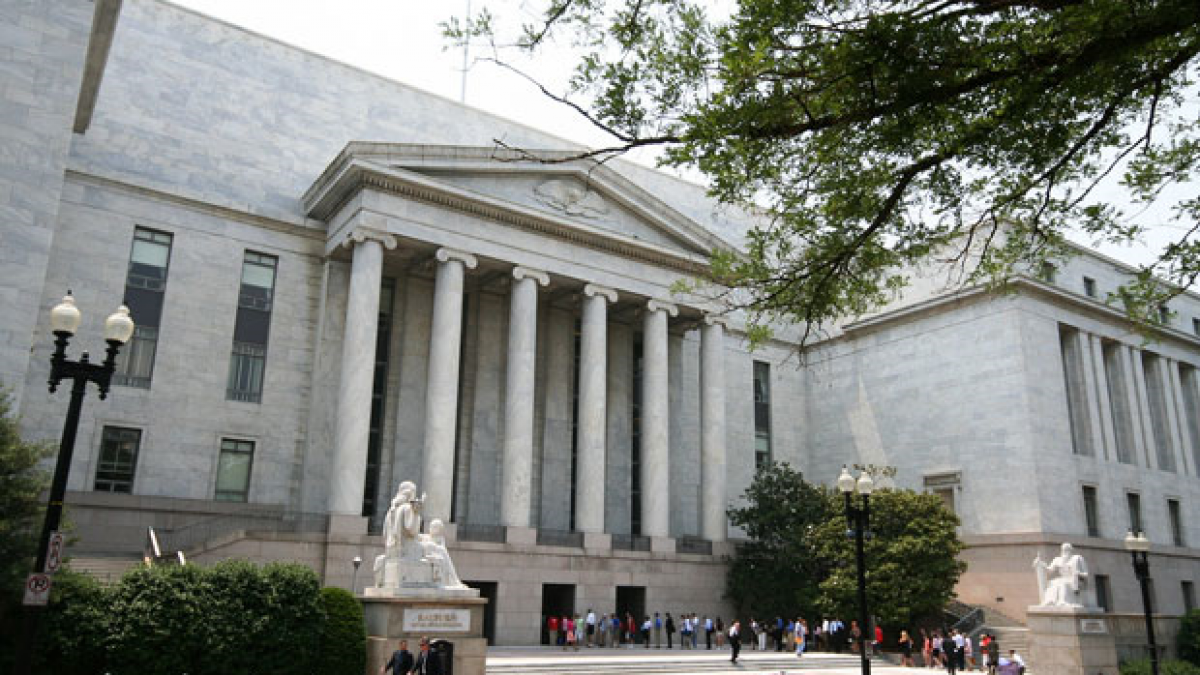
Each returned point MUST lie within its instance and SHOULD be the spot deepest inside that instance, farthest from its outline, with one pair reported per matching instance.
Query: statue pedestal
(1070, 641)
(455, 615)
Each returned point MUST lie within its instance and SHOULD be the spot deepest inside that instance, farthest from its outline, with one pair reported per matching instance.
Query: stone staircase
(637, 660)
(107, 570)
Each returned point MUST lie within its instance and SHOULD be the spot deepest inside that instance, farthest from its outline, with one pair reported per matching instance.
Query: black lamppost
(64, 320)
(354, 582)
(859, 519)
(1138, 546)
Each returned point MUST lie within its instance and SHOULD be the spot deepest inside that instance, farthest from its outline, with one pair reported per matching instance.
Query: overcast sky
(402, 39)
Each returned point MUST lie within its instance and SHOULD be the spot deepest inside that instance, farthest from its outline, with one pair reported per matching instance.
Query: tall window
(1189, 595)
(145, 284)
(1047, 272)
(1103, 592)
(1118, 399)
(762, 414)
(118, 459)
(1090, 512)
(233, 470)
(383, 332)
(1176, 522)
(1089, 287)
(1159, 423)
(249, 358)
(1134, 501)
(1076, 386)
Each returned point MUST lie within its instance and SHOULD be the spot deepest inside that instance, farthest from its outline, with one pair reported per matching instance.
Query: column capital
(362, 233)
(663, 306)
(448, 254)
(593, 290)
(519, 272)
(716, 320)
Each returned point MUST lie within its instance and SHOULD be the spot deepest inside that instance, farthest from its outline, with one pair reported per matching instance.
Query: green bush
(233, 618)
(76, 626)
(344, 642)
(1172, 667)
(1189, 637)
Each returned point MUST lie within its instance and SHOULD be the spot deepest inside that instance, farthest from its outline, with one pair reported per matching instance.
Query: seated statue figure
(402, 525)
(433, 547)
(1063, 582)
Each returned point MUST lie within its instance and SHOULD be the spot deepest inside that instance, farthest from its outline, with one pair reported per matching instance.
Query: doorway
(557, 600)
(632, 599)
(487, 591)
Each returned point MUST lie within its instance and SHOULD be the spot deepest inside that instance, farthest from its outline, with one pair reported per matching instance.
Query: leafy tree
(872, 135)
(77, 626)
(344, 640)
(21, 484)
(1189, 637)
(775, 571)
(798, 558)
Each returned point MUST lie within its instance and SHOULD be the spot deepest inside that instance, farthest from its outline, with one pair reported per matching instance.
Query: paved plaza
(547, 661)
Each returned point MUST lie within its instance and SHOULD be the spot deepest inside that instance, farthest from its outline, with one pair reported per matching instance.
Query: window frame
(221, 451)
(1091, 516)
(111, 481)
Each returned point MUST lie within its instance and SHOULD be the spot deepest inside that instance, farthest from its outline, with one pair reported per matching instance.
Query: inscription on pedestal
(1093, 626)
(436, 620)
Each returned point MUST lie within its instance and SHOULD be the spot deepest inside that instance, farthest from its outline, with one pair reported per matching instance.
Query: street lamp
(64, 320)
(859, 519)
(1138, 546)
(354, 583)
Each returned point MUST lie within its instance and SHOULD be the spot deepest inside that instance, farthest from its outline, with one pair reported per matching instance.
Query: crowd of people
(952, 651)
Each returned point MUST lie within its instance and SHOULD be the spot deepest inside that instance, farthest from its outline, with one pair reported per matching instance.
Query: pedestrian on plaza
(568, 632)
(800, 636)
(670, 629)
(735, 640)
(425, 663)
(658, 626)
(855, 634)
(602, 631)
(552, 629)
(950, 653)
(591, 627)
(777, 636)
(877, 643)
(1014, 657)
(615, 632)
(720, 629)
(646, 631)
(926, 649)
(401, 662)
(969, 653)
(630, 630)
(695, 629)
(906, 649)
(685, 632)
(937, 649)
(753, 634)
(708, 632)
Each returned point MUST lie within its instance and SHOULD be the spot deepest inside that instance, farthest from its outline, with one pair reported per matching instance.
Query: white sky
(402, 40)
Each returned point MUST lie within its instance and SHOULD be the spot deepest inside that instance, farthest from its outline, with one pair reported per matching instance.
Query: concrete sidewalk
(552, 661)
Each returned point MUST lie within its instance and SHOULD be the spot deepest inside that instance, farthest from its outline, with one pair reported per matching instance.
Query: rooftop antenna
(462, 94)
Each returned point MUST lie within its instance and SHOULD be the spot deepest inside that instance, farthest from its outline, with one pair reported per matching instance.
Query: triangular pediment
(577, 193)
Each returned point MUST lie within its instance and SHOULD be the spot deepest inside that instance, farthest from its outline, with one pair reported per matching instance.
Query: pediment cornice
(399, 170)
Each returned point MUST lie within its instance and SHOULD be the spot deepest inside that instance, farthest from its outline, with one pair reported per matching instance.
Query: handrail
(195, 534)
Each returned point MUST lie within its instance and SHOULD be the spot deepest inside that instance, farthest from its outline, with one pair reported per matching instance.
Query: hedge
(1172, 667)
(344, 640)
(1189, 637)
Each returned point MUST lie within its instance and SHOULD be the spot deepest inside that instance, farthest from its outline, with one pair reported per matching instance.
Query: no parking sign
(37, 590)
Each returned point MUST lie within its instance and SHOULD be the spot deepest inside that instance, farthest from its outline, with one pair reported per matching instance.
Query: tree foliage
(798, 558)
(1189, 637)
(22, 481)
(344, 640)
(873, 134)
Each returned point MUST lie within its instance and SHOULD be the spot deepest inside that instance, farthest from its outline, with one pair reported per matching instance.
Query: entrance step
(547, 661)
(106, 570)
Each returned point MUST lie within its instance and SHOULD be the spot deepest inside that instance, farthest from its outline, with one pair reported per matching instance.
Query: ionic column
(441, 393)
(590, 456)
(1095, 417)
(712, 429)
(1106, 416)
(1168, 372)
(353, 424)
(656, 448)
(1138, 408)
(517, 474)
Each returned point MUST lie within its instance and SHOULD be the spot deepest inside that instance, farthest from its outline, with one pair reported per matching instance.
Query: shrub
(76, 626)
(1189, 637)
(1172, 667)
(344, 642)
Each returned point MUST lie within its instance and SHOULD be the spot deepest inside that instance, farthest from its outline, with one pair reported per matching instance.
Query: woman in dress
(906, 649)
(568, 632)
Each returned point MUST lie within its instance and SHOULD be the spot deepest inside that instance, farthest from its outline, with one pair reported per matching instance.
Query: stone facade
(358, 185)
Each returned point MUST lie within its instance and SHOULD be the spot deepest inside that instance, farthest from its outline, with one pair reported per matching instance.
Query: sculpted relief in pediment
(571, 197)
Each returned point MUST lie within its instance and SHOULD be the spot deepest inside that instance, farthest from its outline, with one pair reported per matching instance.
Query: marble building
(340, 284)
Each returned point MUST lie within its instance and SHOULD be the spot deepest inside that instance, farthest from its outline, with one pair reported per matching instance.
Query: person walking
(591, 627)
(658, 626)
(579, 632)
(926, 649)
(552, 629)
(646, 624)
(615, 632)
(968, 653)
(568, 633)
(425, 663)
(685, 632)
(708, 632)
(401, 662)
(735, 640)
(695, 629)
(800, 636)
(950, 653)
(906, 649)
(720, 629)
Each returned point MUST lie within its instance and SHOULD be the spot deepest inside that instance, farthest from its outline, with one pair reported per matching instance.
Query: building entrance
(557, 600)
(487, 590)
(632, 599)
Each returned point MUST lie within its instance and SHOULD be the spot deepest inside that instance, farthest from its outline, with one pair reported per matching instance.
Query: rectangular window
(762, 414)
(248, 360)
(1103, 592)
(1089, 287)
(118, 459)
(1164, 315)
(145, 284)
(1189, 595)
(1134, 501)
(1091, 513)
(1047, 272)
(1176, 522)
(1076, 386)
(1159, 423)
(1196, 325)
(233, 470)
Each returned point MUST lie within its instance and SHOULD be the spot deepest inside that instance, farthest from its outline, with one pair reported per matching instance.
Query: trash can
(443, 655)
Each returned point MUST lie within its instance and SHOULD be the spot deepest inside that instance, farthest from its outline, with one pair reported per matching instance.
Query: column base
(347, 525)
(520, 536)
(597, 541)
(662, 545)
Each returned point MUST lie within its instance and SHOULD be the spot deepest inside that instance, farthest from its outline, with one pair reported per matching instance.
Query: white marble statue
(412, 559)
(1062, 583)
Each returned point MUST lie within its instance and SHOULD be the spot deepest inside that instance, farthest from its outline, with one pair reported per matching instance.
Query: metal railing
(190, 536)
(630, 542)
(560, 538)
(479, 532)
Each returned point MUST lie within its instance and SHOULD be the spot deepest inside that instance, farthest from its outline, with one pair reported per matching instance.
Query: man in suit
(427, 663)
(401, 662)
(735, 640)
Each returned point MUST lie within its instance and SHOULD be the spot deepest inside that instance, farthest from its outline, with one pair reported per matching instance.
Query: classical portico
(558, 244)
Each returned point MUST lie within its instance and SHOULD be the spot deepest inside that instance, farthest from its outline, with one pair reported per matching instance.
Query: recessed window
(233, 470)
(1189, 596)
(1089, 287)
(1196, 325)
(762, 414)
(1103, 592)
(1164, 315)
(1176, 522)
(1091, 513)
(145, 286)
(1134, 502)
(118, 459)
(248, 360)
